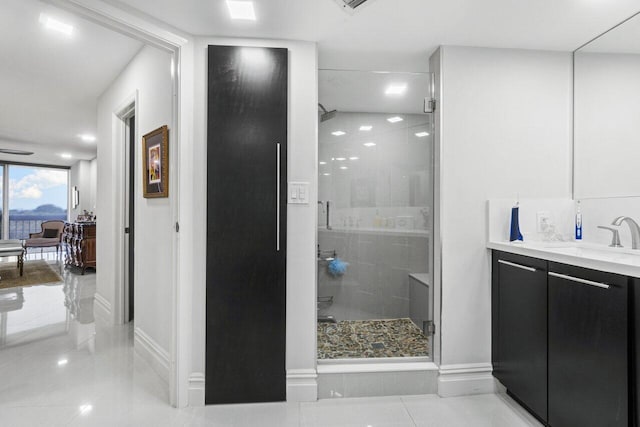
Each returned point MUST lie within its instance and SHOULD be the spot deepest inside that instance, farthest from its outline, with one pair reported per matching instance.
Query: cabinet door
(588, 347)
(246, 224)
(520, 353)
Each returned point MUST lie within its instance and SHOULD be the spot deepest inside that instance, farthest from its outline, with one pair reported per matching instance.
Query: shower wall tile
(397, 171)
(367, 252)
(399, 255)
(419, 255)
(399, 284)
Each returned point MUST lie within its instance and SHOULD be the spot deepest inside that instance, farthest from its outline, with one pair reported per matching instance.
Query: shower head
(326, 115)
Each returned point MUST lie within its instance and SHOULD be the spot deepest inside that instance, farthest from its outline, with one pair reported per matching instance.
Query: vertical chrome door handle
(278, 196)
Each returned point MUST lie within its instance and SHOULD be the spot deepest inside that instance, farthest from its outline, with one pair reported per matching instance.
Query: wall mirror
(607, 114)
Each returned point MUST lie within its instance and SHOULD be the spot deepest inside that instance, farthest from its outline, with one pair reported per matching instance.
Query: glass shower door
(375, 222)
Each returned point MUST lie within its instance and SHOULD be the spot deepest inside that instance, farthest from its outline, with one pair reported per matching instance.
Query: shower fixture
(326, 208)
(326, 115)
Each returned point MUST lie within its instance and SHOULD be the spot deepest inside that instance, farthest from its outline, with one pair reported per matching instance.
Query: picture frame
(155, 163)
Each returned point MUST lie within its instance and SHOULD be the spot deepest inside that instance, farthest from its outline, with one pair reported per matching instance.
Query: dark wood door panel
(246, 288)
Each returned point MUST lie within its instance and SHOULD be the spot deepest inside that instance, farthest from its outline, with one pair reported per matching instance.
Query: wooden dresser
(79, 244)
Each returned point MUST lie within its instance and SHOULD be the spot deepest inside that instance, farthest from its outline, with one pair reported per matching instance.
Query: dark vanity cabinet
(588, 348)
(520, 326)
(563, 341)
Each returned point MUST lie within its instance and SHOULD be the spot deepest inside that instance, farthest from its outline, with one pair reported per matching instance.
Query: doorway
(129, 120)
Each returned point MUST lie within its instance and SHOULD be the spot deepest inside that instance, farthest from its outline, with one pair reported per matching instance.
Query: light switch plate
(298, 193)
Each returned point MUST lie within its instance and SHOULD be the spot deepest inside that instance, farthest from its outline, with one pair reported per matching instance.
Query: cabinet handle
(513, 264)
(278, 196)
(577, 279)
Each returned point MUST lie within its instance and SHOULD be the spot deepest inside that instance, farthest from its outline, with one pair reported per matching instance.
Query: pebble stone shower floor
(354, 339)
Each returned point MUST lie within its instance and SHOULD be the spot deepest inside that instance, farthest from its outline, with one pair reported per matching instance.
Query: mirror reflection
(606, 114)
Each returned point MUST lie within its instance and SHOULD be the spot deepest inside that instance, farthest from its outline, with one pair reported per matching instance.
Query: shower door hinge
(428, 327)
(429, 105)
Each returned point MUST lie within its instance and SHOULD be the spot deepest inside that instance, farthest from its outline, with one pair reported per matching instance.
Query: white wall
(505, 129)
(301, 227)
(603, 211)
(93, 184)
(83, 175)
(607, 101)
(149, 74)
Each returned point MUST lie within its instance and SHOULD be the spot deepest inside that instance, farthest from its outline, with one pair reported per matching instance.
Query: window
(36, 194)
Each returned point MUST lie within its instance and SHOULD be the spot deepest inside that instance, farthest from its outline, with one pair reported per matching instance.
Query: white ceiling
(623, 39)
(50, 83)
(402, 28)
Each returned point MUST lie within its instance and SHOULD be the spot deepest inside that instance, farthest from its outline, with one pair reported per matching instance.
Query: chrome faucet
(633, 227)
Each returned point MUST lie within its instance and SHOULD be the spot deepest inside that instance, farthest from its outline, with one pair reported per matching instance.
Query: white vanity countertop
(623, 261)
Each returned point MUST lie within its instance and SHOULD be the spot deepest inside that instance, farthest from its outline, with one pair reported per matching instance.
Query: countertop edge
(590, 263)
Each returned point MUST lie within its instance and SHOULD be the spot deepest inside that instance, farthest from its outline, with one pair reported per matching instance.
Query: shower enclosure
(375, 222)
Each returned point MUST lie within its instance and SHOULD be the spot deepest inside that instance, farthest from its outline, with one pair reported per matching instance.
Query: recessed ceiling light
(366, 128)
(87, 137)
(422, 134)
(326, 174)
(396, 89)
(53, 24)
(66, 156)
(241, 10)
(84, 409)
(323, 163)
(341, 159)
(62, 362)
(354, 158)
(338, 133)
(395, 119)
(343, 167)
(369, 144)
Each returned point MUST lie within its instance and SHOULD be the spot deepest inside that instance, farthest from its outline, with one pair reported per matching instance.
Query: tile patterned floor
(354, 339)
(61, 367)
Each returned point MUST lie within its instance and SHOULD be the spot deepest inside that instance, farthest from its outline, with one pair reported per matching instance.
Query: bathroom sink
(597, 252)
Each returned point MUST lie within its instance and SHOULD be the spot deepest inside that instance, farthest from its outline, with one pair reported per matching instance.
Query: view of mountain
(41, 210)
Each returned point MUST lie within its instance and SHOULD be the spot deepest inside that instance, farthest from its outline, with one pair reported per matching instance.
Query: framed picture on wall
(155, 163)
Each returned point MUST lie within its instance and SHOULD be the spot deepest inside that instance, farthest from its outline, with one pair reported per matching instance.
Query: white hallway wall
(505, 130)
(150, 74)
(301, 219)
(83, 175)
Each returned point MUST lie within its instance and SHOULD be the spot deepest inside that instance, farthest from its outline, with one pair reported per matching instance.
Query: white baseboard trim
(302, 385)
(466, 379)
(152, 353)
(102, 309)
(196, 389)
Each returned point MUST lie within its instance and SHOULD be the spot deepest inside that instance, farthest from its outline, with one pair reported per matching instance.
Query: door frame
(177, 44)
(128, 108)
